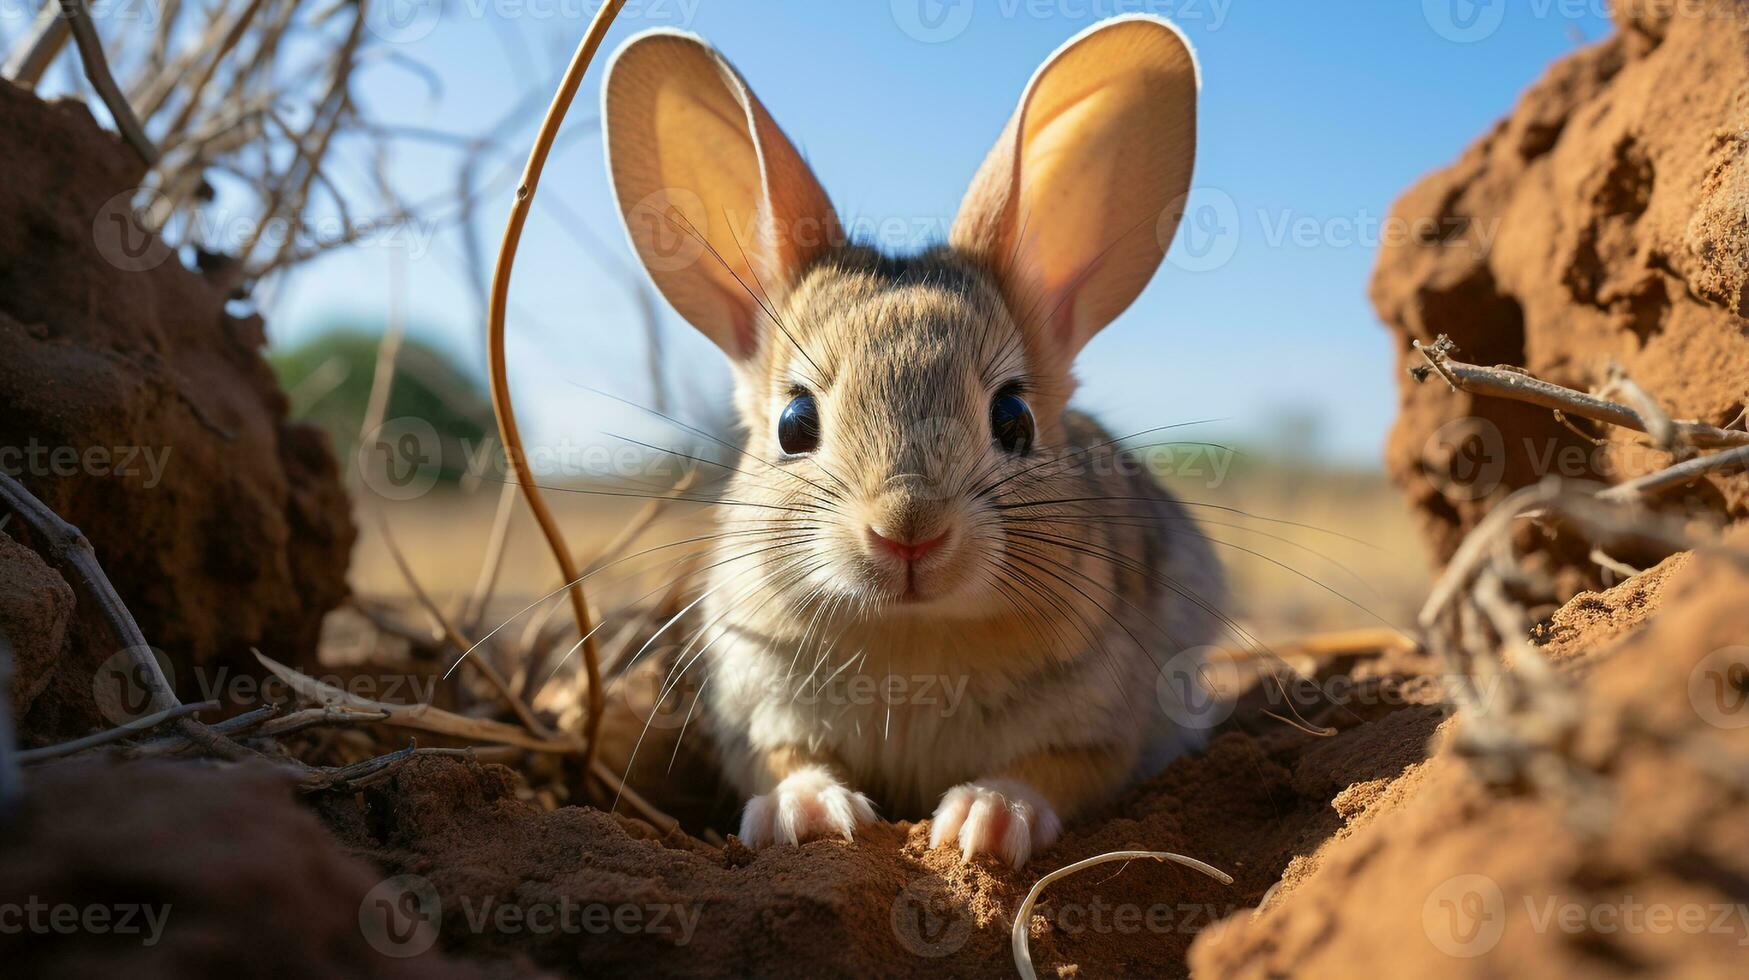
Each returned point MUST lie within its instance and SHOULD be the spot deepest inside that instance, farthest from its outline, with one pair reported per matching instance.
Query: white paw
(809, 803)
(1004, 817)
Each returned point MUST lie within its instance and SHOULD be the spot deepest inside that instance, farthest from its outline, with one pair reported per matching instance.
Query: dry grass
(1357, 561)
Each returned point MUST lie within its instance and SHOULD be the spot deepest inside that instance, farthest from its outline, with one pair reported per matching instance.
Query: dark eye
(798, 428)
(1011, 422)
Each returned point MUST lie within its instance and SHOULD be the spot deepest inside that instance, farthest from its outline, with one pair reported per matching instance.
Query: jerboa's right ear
(718, 204)
(1077, 202)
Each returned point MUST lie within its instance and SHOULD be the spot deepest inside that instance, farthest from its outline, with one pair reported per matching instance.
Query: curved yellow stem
(507, 430)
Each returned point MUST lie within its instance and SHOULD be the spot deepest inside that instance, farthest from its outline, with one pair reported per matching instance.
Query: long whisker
(992, 488)
(704, 434)
(824, 502)
(1063, 501)
(567, 586)
(712, 501)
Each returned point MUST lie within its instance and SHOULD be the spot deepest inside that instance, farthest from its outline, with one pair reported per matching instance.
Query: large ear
(1078, 201)
(718, 204)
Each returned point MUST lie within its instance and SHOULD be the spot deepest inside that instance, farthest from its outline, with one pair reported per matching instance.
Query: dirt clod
(140, 410)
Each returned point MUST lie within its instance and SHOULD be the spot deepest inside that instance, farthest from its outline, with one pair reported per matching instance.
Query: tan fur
(1067, 575)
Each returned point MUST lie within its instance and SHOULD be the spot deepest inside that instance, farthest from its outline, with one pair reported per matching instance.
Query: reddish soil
(1605, 219)
(141, 411)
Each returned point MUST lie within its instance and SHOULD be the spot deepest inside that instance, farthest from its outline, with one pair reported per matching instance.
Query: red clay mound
(1438, 875)
(1606, 219)
(141, 411)
(178, 870)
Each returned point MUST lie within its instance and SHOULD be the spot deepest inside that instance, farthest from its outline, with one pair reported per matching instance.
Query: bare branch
(1679, 475)
(115, 734)
(68, 545)
(47, 36)
(1503, 383)
(97, 70)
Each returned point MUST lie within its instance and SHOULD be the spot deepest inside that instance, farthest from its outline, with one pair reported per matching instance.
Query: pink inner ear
(741, 322)
(743, 341)
(1062, 323)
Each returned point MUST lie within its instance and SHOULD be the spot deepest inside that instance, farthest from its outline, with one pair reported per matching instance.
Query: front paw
(808, 804)
(1004, 817)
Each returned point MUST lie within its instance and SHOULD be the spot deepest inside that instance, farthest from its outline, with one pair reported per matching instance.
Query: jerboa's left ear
(1079, 199)
(718, 204)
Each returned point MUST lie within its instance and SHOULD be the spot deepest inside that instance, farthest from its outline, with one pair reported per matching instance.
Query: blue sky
(1314, 117)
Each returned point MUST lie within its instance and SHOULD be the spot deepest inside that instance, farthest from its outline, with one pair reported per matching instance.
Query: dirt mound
(175, 870)
(1605, 219)
(1437, 873)
(141, 411)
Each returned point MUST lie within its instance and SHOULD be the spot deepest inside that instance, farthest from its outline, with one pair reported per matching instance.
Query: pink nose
(906, 550)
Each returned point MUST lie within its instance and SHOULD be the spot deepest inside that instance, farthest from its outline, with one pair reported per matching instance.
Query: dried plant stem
(67, 544)
(47, 36)
(97, 71)
(115, 734)
(455, 639)
(1678, 475)
(195, 89)
(382, 383)
(1503, 383)
(1019, 934)
(430, 718)
(501, 403)
(421, 717)
(641, 522)
(493, 562)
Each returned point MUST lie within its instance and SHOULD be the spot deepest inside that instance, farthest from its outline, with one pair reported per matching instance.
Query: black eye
(1011, 422)
(798, 428)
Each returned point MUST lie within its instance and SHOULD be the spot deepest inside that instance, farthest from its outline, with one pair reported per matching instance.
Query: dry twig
(116, 734)
(1518, 386)
(1019, 933)
(429, 718)
(69, 546)
(97, 70)
(501, 404)
(1521, 716)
